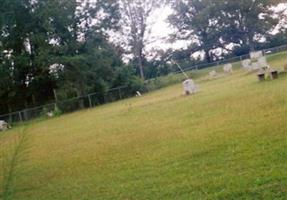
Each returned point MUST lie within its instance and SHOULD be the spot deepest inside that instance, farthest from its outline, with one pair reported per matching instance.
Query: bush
(45, 111)
(57, 112)
(136, 84)
(241, 50)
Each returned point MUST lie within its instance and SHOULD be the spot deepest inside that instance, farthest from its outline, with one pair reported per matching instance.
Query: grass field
(229, 141)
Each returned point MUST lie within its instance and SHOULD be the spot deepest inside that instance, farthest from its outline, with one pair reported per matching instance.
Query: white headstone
(50, 114)
(189, 87)
(228, 68)
(213, 74)
(246, 63)
(3, 125)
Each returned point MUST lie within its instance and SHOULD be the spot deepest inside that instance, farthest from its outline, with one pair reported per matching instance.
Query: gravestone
(246, 64)
(189, 87)
(3, 125)
(261, 76)
(213, 74)
(256, 62)
(228, 68)
(274, 74)
(50, 114)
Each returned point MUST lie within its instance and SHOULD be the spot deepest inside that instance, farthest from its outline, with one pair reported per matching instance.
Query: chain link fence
(235, 59)
(67, 106)
(96, 99)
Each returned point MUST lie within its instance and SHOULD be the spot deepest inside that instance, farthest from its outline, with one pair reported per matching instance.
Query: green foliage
(44, 112)
(209, 25)
(127, 77)
(64, 44)
(166, 146)
(197, 22)
(241, 50)
(57, 112)
(37, 36)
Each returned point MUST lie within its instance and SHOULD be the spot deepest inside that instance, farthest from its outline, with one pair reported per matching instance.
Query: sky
(160, 31)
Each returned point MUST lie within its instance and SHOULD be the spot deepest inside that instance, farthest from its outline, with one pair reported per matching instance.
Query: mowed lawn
(229, 141)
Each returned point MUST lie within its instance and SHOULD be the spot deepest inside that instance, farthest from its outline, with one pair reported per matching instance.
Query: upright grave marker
(189, 87)
(228, 68)
(4, 125)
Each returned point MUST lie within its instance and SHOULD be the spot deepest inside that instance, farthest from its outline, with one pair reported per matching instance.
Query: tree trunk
(207, 56)
(10, 115)
(140, 63)
(251, 43)
(81, 101)
(80, 94)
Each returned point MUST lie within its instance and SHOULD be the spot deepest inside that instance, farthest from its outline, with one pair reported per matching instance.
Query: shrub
(44, 111)
(57, 112)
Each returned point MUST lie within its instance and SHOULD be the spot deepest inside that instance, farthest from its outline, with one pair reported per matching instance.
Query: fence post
(10, 115)
(120, 93)
(20, 116)
(55, 95)
(25, 115)
(90, 101)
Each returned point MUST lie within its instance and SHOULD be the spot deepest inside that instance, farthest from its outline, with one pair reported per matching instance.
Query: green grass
(228, 141)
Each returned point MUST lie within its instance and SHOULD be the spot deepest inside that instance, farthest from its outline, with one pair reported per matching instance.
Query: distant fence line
(114, 94)
(68, 105)
(234, 59)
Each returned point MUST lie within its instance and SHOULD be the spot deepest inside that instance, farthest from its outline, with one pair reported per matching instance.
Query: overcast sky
(161, 30)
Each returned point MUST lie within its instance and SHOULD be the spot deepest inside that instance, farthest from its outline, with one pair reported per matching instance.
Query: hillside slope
(228, 141)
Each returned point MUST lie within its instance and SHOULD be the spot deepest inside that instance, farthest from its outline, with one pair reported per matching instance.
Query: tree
(135, 27)
(82, 45)
(216, 24)
(47, 44)
(246, 22)
(24, 50)
(197, 21)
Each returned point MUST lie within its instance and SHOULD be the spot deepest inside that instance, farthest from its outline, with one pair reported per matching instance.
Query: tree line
(67, 45)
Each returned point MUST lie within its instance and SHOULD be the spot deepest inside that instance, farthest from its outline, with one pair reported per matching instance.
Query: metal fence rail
(67, 106)
(114, 94)
(235, 59)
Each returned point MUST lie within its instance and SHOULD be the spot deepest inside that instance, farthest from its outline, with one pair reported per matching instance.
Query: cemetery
(258, 62)
(143, 100)
(217, 138)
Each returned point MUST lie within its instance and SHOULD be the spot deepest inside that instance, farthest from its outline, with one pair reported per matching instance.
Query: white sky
(160, 31)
